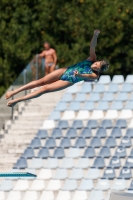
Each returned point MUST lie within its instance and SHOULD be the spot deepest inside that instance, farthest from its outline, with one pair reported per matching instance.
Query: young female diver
(62, 78)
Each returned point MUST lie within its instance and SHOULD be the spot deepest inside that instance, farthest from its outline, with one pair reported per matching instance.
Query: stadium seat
(80, 142)
(49, 195)
(89, 152)
(67, 98)
(121, 123)
(30, 195)
(60, 174)
(71, 133)
(86, 185)
(96, 195)
(42, 134)
(70, 185)
(74, 106)
(93, 174)
(102, 105)
(131, 185)
(110, 142)
(111, 114)
(43, 153)
(129, 162)
(14, 195)
(50, 143)
(119, 184)
(65, 142)
(6, 185)
(109, 173)
(125, 173)
(48, 124)
(36, 163)
(97, 114)
(115, 162)
(99, 163)
(89, 106)
(68, 115)
(99, 88)
(86, 133)
(116, 105)
(55, 115)
(131, 97)
(80, 97)
(118, 79)
(113, 88)
(35, 143)
(83, 163)
(86, 88)
(72, 89)
(126, 114)
(131, 124)
(53, 185)
(129, 132)
(76, 174)
(121, 152)
(63, 124)
(116, 132)
(37, 185)
(106, 123)
(122, 96)
(94, 97)
(103, 184)
(127, 87)
(78, 124)
(73, 153)
(65, 195)
(129, 79)
(126, 142)
(28, 153)
(80, 195)
(56, 133)
(67, 163)
(129, 105)
(83, 115)
(52, 163)
(92, 124)
(104, 79)
(101, 133)
(59, 153)
(105, 152)
(21, 185)
(108, 97)
(95, 142)
(21, 163)
(45, 174)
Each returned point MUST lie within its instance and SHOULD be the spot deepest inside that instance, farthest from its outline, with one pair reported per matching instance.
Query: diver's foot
(9, 94)
(11, 103)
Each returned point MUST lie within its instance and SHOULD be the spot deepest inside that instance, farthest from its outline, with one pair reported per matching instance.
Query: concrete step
(22, 132)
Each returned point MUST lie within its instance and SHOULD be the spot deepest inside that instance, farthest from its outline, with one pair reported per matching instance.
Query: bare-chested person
(50, 58)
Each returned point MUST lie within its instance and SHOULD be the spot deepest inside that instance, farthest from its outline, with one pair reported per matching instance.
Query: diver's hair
(104, 66)
(47, 43)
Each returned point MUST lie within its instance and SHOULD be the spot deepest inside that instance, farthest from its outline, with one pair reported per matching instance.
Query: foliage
(68, 25)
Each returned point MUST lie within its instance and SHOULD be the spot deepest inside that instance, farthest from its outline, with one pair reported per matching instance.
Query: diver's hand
(97, 32)
(76, 73)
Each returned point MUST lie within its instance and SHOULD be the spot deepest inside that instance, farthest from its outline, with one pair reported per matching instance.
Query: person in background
(50, 58)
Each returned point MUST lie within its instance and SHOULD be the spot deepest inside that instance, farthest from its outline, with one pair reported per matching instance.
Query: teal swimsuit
(83, 67)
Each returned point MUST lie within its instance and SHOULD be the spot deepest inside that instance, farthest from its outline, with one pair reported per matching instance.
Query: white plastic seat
(76, 174)
(97, 114)
(14, 195)
(30, 195)
(73, 153)
(67, 163)
(126, 114)
(104, 79)
(48, 124)
(68, 115)
(86, 184)
(92, 173)
(21, 185)
(72, 89)
(37, 185)
(80, 195)
(129, 78)
(83, 163)
(48, 195)
(111, 114)
(103, 184)
(131, 124)
(96, 195)
(63, 195)
(118, 79)
(51, 163)
(83, 114)
(45, 174)
(54, 185)
(2, 195)
(119, 184)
